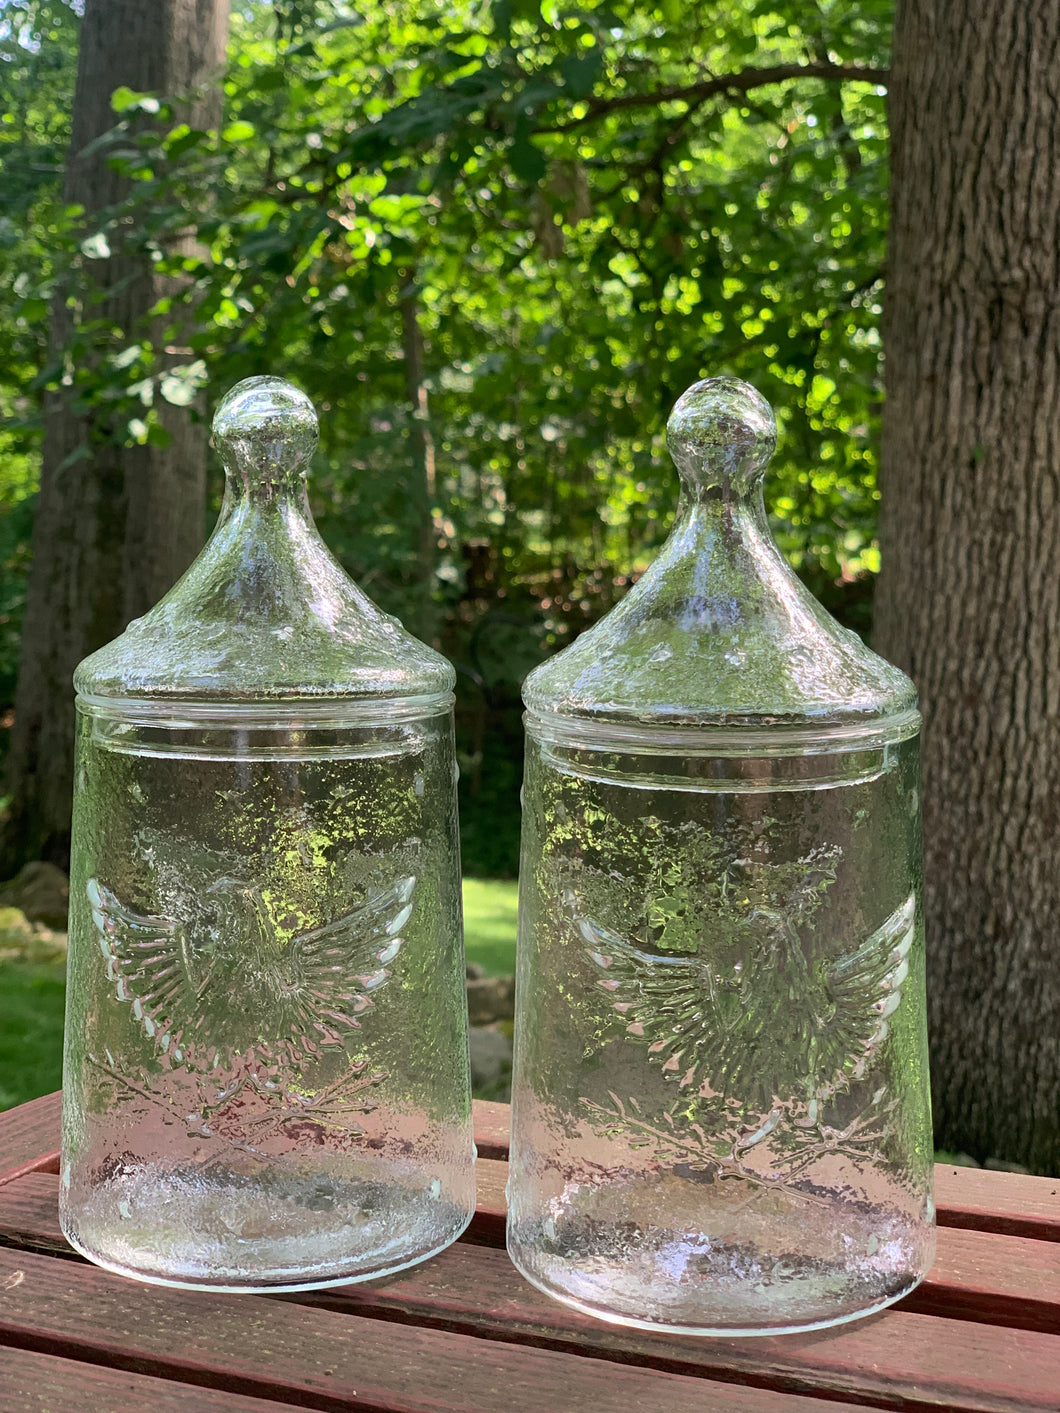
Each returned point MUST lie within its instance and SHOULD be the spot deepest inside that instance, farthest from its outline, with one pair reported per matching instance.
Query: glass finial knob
(721, 433)
(265, 431)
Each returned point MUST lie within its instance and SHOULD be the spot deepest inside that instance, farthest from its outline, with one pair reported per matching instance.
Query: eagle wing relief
(717, 1035)
(150, 961)
(864, 989)
(663, 999)
(178, 980)
(344, 963)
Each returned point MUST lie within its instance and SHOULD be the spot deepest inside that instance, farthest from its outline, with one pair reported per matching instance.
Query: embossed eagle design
(766, 1025)
(231, 985)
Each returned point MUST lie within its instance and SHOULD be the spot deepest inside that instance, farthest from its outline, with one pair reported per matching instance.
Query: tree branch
(740, 82)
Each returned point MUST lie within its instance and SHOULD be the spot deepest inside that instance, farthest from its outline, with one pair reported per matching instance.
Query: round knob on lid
(721, 433)
(265, 431)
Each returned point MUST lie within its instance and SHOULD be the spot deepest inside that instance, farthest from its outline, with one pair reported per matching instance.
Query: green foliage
(585, 208)
(38, 63)
(32, 1008)
(32, 992)
(491, 917)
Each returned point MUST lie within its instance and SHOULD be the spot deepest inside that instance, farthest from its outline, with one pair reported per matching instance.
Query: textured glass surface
(721, 1115)
(266, 1073)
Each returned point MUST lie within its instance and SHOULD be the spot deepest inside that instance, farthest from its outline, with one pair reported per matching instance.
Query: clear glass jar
(721, 1115)
(266, 1080)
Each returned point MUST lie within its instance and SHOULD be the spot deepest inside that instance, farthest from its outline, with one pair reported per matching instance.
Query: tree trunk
(969, 596)
(115, 526)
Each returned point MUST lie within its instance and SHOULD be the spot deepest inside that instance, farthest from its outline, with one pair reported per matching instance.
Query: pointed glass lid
(719, 631)
(265, 612)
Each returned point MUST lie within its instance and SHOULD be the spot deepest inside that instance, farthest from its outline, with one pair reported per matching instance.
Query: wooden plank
(996, 1280)
(1010, 1204)
(29, 1138)
(491, 1204)
(40, 1383)
(320, 1358)
(978, 1276)
(491, 1122)
(975, 1199)
(896, 1360)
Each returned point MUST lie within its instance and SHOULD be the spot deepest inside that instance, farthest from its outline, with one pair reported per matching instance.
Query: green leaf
(157, 435)
(527, 161)
(239, 131)
(81, 452)
(96, 247)
(180, 386)
(580, 72)
(183, 139)
(126, 100)
(501, 14)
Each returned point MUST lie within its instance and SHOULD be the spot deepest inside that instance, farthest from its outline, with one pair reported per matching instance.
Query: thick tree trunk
(969, 596)
(115, 527)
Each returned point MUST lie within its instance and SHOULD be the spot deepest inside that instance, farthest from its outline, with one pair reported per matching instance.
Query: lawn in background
(33, 990)
(32, 1002)
(491, 909)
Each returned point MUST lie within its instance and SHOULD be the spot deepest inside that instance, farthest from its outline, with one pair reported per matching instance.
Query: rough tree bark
(969, 596)
(115, 527)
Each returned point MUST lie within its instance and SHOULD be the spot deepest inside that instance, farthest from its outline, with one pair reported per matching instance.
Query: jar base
(697, 1322)
(239, 1246)
(765, 1269)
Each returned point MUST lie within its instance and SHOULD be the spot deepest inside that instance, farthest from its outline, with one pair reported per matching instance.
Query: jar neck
(283, 497)
(713, 521)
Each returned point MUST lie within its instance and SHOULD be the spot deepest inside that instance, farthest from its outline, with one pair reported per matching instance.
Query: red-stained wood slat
(1008, 1203)
(971, 1198)
(40, 1383)
(29, 1138)
(325, 1359)
(893, 1360)
(491, 1205)
(980, 1279)
(996, 1280)
(492, 1124)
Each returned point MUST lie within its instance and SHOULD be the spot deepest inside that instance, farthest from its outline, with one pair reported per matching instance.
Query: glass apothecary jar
(721, 1119)
(266, 1071)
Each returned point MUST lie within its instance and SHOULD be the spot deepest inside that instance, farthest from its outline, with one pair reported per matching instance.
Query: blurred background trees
(493, 242)
(117, 519)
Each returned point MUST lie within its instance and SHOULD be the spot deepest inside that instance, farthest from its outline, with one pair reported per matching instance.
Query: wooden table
(465, 1332)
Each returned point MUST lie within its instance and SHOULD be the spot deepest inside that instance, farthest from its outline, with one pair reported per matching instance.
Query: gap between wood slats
(319, 1358)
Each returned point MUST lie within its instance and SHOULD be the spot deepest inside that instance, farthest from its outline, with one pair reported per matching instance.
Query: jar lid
(266, 612)
(719, 632)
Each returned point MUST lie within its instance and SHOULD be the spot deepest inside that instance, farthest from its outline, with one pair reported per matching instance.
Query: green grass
(491, 909)
(32, 993)
(32, 1002)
